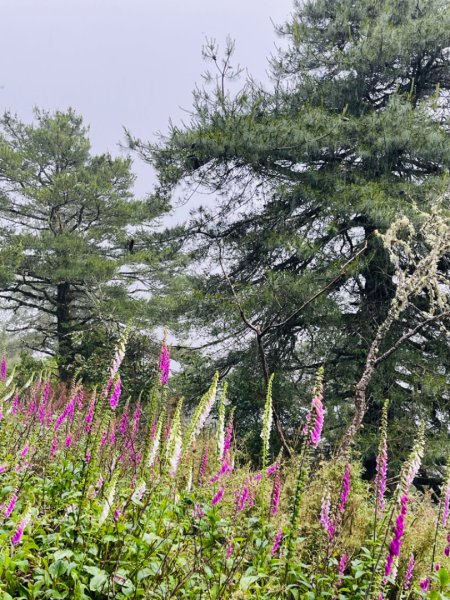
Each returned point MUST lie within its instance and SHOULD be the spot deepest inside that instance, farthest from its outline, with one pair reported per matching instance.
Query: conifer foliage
(65, 216)
(302, 175)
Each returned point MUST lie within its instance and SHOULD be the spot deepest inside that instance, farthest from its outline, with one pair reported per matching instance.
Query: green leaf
(444, 577)
(143, 574)
(98, 582)
(150, 538)
(57, 569)
(59, 554)
(247, 580)
(93, 570)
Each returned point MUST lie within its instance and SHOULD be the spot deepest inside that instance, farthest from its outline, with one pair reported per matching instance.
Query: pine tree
(66, 215)
(352, 133)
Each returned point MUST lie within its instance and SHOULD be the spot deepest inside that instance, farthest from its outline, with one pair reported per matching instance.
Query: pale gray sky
(120, 63)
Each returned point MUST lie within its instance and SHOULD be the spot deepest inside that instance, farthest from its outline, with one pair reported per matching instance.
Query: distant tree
(291, 275)
(65, 222)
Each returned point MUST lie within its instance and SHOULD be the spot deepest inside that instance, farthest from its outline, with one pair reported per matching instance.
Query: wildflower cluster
(102, 497)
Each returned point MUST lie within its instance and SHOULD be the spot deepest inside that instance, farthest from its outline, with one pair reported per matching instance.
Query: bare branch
(409, 335)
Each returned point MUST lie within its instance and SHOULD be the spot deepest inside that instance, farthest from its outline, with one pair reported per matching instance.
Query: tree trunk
(373, 320)
(379, 289)
(63, 331)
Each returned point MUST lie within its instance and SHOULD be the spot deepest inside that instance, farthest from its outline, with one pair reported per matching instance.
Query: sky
(124, 63)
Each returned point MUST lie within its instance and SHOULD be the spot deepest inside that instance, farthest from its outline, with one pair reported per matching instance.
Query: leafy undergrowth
(100, 500)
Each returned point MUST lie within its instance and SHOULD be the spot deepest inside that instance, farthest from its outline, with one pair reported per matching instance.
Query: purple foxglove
(397, 539)
(218, 497)
(277, 542)
(15, 539)
(164, 364)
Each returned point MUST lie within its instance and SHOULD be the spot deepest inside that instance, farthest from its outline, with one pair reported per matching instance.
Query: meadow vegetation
(104, 499)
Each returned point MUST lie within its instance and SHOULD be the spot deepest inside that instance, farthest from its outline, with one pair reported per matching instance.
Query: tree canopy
(290, 272)
(67, 224)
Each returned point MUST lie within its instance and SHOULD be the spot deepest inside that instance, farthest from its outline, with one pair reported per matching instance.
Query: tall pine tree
(352, 133)
(67, 255)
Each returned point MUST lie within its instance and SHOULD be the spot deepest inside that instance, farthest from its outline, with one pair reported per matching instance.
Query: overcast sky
(120, 63)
